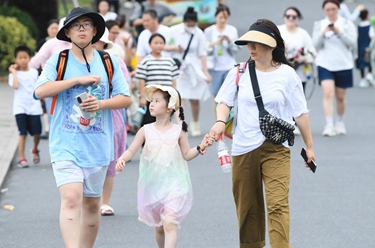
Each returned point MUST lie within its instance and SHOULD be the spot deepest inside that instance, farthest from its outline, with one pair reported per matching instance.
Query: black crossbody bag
(274, 129)
(177, 61)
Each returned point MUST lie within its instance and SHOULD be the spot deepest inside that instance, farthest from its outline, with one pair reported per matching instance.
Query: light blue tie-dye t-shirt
(89, 143)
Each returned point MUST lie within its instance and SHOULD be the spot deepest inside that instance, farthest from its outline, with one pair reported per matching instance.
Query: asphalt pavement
(329, 209)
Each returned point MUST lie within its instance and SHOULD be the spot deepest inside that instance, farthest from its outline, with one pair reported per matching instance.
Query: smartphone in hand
(79, 99)
(312, 163)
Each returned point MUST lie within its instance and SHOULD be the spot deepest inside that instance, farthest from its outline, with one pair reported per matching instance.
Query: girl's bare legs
(195, 109)
(107, 190)
(170, 231)
(328, 87)
(160, 237)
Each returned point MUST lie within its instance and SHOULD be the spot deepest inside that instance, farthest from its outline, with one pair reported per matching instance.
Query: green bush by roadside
(22, 16)
(13, 34)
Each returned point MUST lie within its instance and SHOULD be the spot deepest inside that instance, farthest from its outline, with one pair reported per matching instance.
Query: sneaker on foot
(329, 130)
(340, 128)
(370, 79)
(195, 129)
(363, 84)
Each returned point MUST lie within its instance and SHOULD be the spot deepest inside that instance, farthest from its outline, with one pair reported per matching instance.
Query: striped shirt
(157, 71)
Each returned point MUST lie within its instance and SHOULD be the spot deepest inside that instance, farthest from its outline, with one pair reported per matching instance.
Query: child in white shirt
(26, 110)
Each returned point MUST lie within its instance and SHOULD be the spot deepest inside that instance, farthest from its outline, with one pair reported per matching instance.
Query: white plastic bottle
(222, 150)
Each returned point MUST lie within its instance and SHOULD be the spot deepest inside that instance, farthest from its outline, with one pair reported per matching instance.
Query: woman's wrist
(221, 121)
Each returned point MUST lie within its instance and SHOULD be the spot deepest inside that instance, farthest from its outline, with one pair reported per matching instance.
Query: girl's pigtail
(182, 118)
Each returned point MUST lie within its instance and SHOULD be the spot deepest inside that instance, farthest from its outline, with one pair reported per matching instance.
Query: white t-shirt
(282, 96)
(143, 48)
(294, 42)
(225, 61)
(109, 16)
(24, 102)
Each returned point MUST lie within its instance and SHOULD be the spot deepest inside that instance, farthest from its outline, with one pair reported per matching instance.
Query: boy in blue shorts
(26, 110)
(81, 133)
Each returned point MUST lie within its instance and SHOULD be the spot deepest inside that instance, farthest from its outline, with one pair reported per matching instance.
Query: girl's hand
(207, 141)
(217, 129)
(120, 164)
(89, 79)
(90, 104)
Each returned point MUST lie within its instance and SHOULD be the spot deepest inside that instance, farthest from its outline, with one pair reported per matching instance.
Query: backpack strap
(108, 65)
(60, 68)
(240, 70)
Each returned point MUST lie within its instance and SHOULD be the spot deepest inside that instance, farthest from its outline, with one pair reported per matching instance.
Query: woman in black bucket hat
(81, 132)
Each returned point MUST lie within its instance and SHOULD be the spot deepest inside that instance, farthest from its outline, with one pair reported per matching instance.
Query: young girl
(155, 69)
(164, 188)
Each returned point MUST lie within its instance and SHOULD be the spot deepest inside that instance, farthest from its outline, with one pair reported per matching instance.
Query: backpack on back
(61, 67)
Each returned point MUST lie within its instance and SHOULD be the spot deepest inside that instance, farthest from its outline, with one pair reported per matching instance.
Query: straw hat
(258, 34)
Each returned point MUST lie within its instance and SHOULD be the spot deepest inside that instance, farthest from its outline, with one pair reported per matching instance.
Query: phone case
(83, 96)
(312, 164)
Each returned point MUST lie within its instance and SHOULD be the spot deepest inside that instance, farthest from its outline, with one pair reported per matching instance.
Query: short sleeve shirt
(282, 96)
(89, 143)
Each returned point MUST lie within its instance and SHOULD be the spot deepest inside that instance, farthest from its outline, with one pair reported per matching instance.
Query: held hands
(90, 104)
(120, 164)
(13, 68)
(217, 129)
(206, 142)
(89, 79)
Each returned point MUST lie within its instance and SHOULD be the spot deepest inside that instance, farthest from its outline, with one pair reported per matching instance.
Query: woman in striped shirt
(155, 69)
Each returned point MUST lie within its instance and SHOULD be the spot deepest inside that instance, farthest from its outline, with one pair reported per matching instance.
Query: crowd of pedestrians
(92, 62)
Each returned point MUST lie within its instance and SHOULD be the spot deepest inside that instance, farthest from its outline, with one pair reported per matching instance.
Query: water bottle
(222, 150)
(138, 116)
(220, 49)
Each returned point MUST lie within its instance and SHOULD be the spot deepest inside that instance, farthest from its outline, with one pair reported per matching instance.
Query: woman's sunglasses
(291, 16)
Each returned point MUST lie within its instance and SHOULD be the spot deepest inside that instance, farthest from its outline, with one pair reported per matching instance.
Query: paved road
(332, 208)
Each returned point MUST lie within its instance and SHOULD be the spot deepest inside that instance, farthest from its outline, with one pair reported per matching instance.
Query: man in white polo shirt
(151, 24)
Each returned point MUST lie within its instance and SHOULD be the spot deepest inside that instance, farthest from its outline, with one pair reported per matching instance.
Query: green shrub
(13, 34)
(22, 16)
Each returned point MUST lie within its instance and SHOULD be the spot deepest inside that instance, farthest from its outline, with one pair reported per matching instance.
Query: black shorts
(29, 123)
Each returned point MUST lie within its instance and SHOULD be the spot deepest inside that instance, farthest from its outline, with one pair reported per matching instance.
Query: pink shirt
(49, 48)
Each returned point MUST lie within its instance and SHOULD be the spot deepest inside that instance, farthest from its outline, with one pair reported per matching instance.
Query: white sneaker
(340, 128)
(363, 84)
(296, 130)
(329, 130)
(370, 79)
(195, 129)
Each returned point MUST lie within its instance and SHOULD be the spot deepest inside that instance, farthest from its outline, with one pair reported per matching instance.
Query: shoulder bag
(273, 128)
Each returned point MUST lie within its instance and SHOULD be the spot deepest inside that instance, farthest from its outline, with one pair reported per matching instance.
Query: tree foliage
(13, 34)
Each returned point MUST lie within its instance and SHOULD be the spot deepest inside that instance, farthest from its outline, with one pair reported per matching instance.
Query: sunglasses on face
(291, 16)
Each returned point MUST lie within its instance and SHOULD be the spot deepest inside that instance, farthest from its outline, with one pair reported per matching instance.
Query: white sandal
(106, 210)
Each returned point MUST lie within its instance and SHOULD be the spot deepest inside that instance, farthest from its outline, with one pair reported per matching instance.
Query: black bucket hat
(75, 13)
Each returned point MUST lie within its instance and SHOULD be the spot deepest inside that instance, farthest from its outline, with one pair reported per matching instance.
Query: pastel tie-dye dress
(164, 186)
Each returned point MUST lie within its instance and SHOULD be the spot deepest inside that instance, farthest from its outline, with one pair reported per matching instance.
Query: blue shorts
(343, 79)
(29, 123)
(92, 178)
(218, 78)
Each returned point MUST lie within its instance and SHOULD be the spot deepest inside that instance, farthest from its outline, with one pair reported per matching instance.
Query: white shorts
(92, 178)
